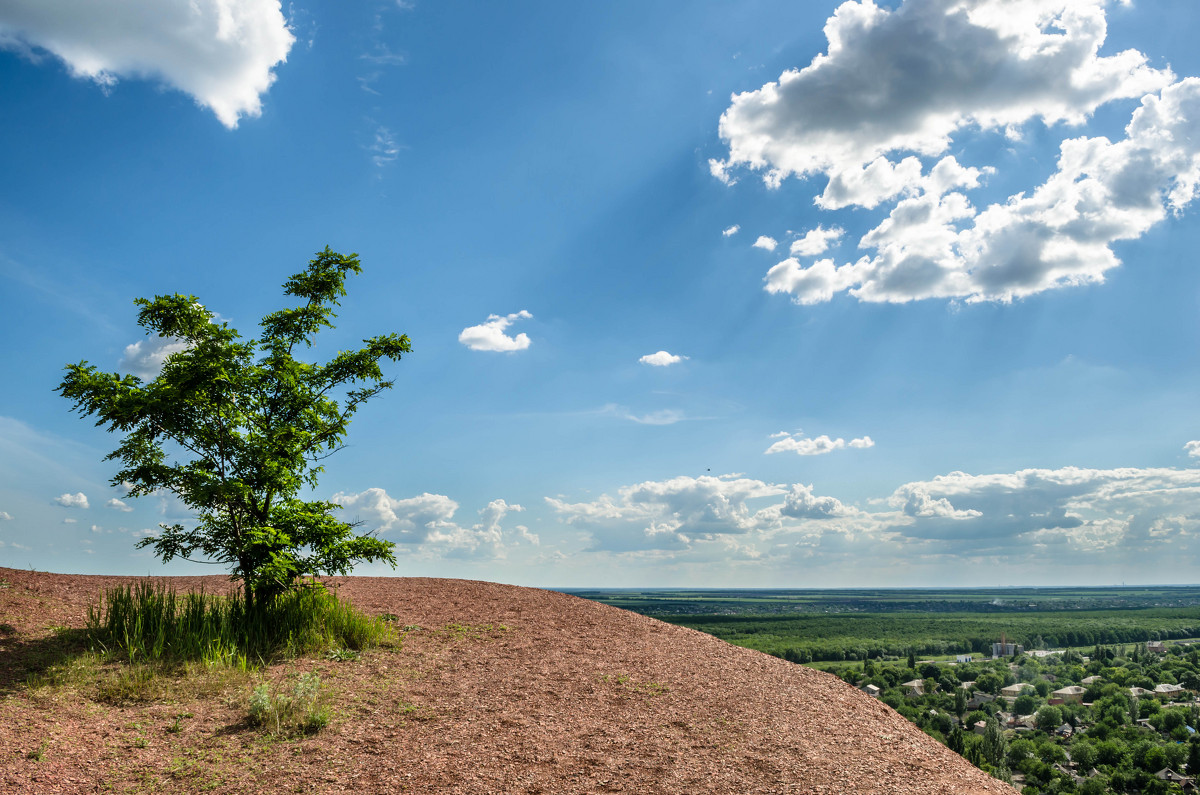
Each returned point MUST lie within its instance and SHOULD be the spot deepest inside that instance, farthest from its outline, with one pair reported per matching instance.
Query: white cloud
(907, 80)
(766, 243)
(220, 52)
(661, 359)
(816, 241)
(669, 514)
(729, 231)
(77, 500)
(145, 358)
(118, 505)
(801, 503)
(898, 86)
(802, 445)
(5, 516)
(1050, 519)
(69, 520)
(1086, 510)
(425, 524)
(490, 336)
(1193, 449)
(659, 417)
(383, 147)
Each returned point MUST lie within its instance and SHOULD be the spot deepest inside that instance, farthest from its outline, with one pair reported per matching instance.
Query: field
(834, 625)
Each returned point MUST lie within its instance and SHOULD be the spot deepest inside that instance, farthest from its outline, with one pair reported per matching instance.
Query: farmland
(835, 625)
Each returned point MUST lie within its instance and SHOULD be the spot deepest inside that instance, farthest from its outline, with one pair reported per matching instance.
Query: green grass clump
(152, 623)
(301, 710)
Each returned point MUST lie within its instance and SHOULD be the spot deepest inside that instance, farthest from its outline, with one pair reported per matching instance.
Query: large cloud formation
(877, 113)
(221, 52)
(1057, 517)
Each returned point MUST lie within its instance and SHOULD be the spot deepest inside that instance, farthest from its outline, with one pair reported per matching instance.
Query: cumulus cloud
(669, 514)
(118, 505)
(802, 445)
(5, 516)
(145, 358)
(730, 231)
(77, 500)
(490, 336)
(222, 53)
(1088, 509)
(906, 80)
(425, 524)
(766, 243)
(892, 92)
(816, 241)
(661, 359)
(1193, 449)
(802, 503)
(1034, 517)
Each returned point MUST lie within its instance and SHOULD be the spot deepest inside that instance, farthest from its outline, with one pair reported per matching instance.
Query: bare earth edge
(502, 689)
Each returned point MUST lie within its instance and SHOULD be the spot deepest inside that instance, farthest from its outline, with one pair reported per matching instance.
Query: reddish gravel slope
(497, 689)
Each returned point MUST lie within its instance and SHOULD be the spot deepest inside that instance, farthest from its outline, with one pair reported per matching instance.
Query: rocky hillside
(497, 689)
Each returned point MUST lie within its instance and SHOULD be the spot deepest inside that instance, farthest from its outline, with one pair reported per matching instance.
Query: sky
(766, 294)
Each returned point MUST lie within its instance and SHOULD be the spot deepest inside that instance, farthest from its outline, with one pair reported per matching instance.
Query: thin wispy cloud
(383, 147)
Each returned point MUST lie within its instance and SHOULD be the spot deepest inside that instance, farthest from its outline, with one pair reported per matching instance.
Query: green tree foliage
(237, 428)
(1025, 704)
(1049, 718)
(1083, 754)
(994, 747)
(960, 701)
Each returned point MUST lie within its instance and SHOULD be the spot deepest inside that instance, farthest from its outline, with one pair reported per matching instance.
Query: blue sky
(764, 294)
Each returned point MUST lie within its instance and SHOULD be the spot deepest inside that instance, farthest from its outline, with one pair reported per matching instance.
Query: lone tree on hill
(236, 428)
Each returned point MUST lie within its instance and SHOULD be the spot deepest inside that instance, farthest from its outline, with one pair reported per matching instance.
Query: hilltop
(496, 689)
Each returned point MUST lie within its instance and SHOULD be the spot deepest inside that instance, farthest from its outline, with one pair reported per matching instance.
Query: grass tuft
(147, 623)
(303, 710)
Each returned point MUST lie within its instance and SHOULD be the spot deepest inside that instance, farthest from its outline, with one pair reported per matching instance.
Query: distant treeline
(830, 637)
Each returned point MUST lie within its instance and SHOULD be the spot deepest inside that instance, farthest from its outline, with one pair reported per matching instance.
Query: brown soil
(500, 690)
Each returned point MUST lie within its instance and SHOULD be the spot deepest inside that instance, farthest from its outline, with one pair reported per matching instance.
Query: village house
(1185, 783)
(916, 687)
(1071, 694)
(1156, 647)
(979, 699)
(1012, 691)
(1168, 690)
(870, 690)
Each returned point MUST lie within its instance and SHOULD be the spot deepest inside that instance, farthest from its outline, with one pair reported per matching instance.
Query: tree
(994, 747)
(1025, 704)
(1049, 718)
(237, 428)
